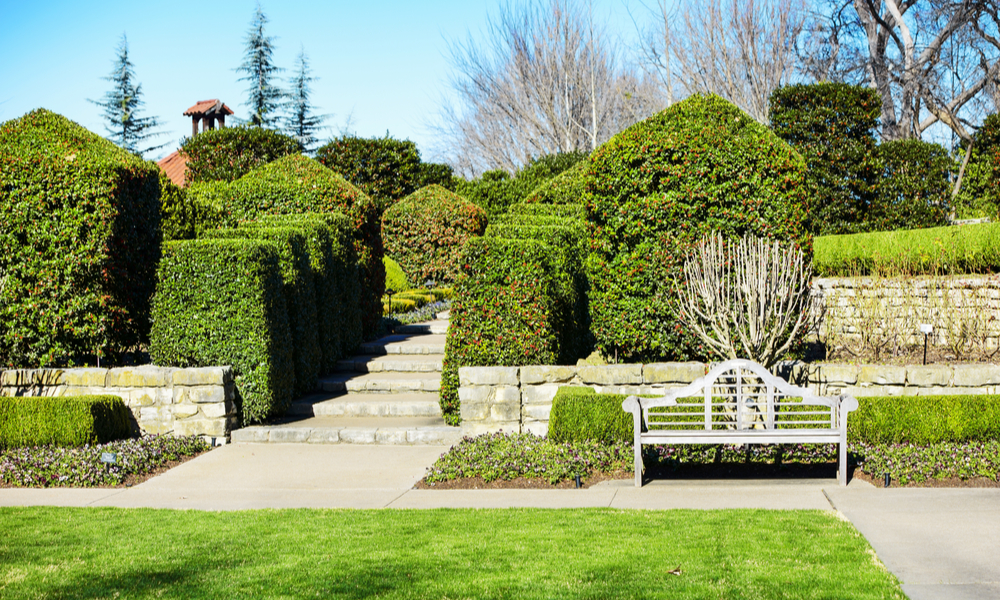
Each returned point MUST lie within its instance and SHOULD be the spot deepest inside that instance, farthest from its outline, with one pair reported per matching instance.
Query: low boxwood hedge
(300, 296)
(579, 413)
(925, 420)
(220, 302)
(79, 242)
(936, 250)
(63, 421)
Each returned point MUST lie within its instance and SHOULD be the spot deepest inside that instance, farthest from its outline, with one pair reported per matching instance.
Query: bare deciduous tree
(748, 296)
(548, 80)
(739, 50)
(932, 61)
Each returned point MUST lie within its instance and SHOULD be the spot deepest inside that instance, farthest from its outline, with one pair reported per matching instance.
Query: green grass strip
(936, 250)
(587, 553)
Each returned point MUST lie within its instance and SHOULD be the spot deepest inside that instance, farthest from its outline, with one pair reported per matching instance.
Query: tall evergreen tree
(121, 106)
(263, 96)
(300, 122)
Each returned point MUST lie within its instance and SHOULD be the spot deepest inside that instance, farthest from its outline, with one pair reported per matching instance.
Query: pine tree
(121, 106)
(300, 123)
(263, 97)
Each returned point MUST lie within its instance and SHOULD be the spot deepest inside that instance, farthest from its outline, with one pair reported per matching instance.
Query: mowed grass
(588, 553)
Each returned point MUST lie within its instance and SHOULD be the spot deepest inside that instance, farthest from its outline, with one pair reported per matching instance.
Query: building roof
(175, 166)
(208, 107)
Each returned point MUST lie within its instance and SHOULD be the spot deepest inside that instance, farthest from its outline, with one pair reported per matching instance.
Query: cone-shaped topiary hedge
(298, 184)
(425, 231)
(654, 190)
(568, 187)
(79, 242)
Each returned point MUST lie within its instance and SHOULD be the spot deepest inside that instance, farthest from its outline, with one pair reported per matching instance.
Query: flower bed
(514, 458)
(50, 466)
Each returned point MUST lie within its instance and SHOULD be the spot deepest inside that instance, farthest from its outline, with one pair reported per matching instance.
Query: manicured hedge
(425, 231)
(495, 191)
(325, 277)
(654, 190)
(178, 217)
(300, 296)
(79, 242)
(228, 153)
(915, 188)
(957, 249)
(925, 420)
(63, 421)
(506, 311)
(395, 278)
(567, 188)
(297, 184)
(580, 414)
(220, 302)
(980, 193)
(572, 211)
(385, 168)
(833, 125)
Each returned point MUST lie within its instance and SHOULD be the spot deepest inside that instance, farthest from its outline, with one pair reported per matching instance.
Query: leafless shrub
(747, 297)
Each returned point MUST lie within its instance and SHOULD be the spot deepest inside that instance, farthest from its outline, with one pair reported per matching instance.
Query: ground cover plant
(354, 554)
(79, 242)
(54, 466)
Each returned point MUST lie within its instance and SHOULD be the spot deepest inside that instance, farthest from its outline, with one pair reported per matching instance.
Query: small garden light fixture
(926, 329)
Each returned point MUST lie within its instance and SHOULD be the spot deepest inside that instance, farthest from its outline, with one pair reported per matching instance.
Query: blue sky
(384, 62)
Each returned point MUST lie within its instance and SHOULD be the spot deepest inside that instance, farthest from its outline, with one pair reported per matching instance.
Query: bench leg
(842, 470)
(637, 464)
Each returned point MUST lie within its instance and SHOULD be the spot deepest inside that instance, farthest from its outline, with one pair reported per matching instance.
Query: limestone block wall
(193, 401)
(519, 399)
(963, 309)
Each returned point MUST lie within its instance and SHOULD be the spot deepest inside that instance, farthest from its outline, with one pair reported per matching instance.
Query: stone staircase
(386, 395)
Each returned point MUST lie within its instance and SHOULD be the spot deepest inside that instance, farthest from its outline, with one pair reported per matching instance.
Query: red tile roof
(175, 166)
(205, 107)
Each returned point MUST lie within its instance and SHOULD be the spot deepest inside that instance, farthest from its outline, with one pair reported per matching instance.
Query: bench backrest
(739, 394)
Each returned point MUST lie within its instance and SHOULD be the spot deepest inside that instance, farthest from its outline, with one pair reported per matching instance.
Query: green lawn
(589, 553)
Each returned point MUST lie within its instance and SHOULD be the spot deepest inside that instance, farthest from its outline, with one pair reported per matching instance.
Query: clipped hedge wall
(495, 191)
(506, 311)
(654, 190)
(220, 302)
(425, 231)
(925, 420)
(938, 250)
(297, 184)
(915, 190)
(395, 278)
(385, 168)
(300, 296)
(228, 153)
(979, 196)
(79, 242)
(178, 217)
(580, 414)
(63, 421)
(567, 188)
(563, 211)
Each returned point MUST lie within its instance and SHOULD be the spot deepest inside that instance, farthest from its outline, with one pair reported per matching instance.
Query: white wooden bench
(740, 402)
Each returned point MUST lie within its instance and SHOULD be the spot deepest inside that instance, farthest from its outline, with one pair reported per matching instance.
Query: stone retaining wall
(195, 401)
(518, 399)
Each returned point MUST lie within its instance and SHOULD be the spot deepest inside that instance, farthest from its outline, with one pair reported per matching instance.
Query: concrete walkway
(941, 543)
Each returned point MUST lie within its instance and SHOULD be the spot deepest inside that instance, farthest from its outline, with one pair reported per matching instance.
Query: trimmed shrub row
(228, 153)
(297, 184)
(580, 414)
(79, 242)
(63, 421)
(520, 299)
(425, 231)
(221, 302)
(496, 191)
(951, 250)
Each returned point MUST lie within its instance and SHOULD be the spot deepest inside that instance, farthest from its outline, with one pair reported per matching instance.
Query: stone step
(399, 363)
(382, 383)
(430, 327)
(404, 343)
(415, 404)
(443, 316)
(354, 430)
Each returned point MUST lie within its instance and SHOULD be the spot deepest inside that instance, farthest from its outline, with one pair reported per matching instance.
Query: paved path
(941, 543)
